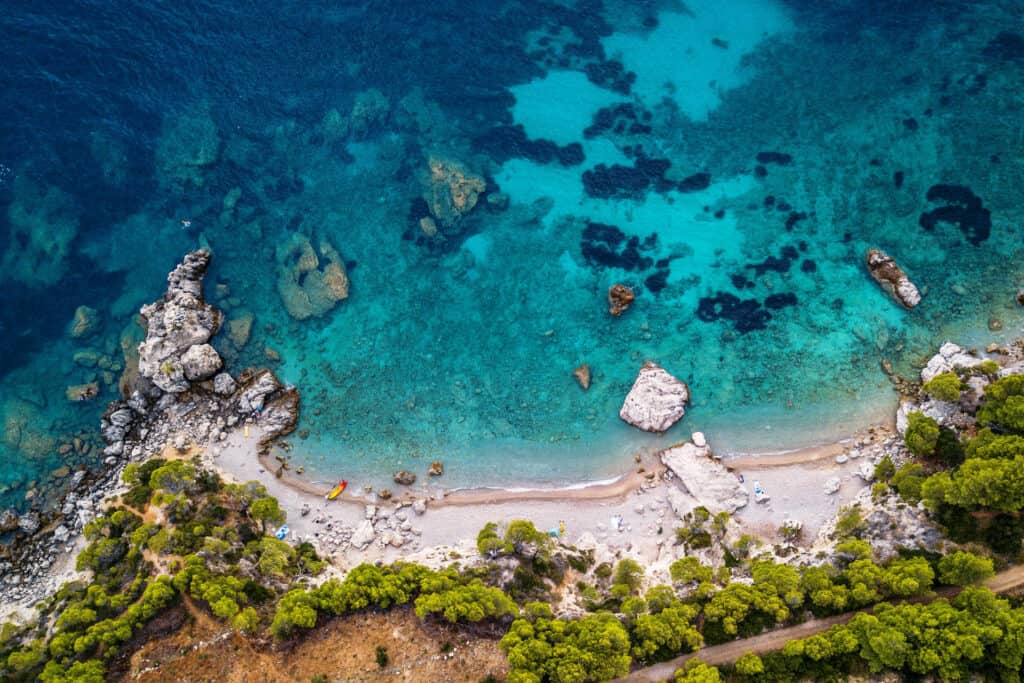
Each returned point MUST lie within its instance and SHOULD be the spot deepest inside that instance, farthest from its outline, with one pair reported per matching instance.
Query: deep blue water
(257, 121)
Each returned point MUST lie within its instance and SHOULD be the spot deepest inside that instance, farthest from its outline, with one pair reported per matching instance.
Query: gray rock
(866, 471)
(8, 520)
(200, 361)
(224, 384)
(29, 523)
(706, 479)
(656, 401)
(77, 478)
(419, 506)
(256, 391)
(949, 358)
(61, 534)
(832, 486)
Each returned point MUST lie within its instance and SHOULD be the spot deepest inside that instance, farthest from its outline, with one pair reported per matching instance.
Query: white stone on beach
(866, 471)
(657, 400)
(841, 459)
(371, 511)
(419, 506)
(706, 479)
(363, 535)
(698, 439)
(832, 486)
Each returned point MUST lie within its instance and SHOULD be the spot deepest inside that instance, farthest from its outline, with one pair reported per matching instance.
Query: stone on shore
(224, 384)
(404, 478)
(892, 278)
(436, 469)
(363, 535)
(705, 478)
(832, 486)
(657, 400)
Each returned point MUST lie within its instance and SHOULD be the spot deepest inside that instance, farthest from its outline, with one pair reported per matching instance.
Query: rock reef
(451, 191)
(309, 284)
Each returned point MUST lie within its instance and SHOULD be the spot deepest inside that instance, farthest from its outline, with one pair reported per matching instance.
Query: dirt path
(775, 640)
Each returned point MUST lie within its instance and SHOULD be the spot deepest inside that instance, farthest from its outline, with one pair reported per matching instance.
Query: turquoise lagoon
(797, 136)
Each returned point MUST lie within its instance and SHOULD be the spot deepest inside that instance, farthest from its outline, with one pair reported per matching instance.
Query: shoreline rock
(707, 480)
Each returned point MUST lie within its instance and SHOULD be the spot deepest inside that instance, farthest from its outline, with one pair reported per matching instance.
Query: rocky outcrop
(177, 323)
(892, 278)
(85, 323)
(436, 469)
(451, 191)
(309, 285)
(657, 400)
(620, 297)
(404, 478)
(8, 521)
(704, 478)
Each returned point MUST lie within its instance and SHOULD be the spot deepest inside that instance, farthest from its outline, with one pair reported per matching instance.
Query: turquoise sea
(730, 161)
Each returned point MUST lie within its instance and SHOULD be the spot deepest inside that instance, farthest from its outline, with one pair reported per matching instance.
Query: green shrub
(488, 543)
(908, 481)
(885, 469)
(944, 387)
(749, 665)
(963, 569)
(628, 573)
(922, 434)
(381, 656)
(989, 368)
(1004, 404)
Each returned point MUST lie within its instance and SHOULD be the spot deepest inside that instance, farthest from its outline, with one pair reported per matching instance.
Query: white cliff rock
(949, 358)
(706, 479)
(657, 400)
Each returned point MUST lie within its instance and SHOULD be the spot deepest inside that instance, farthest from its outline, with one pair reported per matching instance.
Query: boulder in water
(620, 297)
(451, 191)
(582, 375)
(892, 278)
(657, 400)
(84, 323)
(404, 478)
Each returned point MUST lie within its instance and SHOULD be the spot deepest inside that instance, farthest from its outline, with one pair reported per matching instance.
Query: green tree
(466, 602)
(177, 476)
(666, 634)
(921, 435)
(963, 569)
(266, 510)
(296, 609)
(739, 609)
(523, 538)
(749, 665)
(628, 573)
(689, 569)
(908, 481)
(594, 648)
(944, 387)
(697, 671)
(987, 444)
(488, 543)
(1004, 404)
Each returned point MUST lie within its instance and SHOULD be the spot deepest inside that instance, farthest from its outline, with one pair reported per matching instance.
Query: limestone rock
(404, 478)
(681, 502)
(620, 297)
(29, 523)
(85, 322)
(582, 375)
(705, 478)
(657, 400)
(698, 439)
(892, 278)
(176, 324)
(436, 469)
(832, 486)
(451, 191)
(419, 506)
(224, 384)
(363, 535)
(866, 471)
(309, 285)
(950, 358)
(200, 361)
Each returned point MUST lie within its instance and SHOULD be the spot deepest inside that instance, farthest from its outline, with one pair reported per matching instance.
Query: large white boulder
(705, 479)
(949, 358)
(657, 400)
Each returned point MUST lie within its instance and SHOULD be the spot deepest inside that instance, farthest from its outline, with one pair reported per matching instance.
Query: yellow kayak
(336, 491)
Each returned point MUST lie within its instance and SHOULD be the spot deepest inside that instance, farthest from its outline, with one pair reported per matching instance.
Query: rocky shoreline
(180, 397)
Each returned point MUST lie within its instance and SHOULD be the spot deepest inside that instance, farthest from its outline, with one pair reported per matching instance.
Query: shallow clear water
(255, 122)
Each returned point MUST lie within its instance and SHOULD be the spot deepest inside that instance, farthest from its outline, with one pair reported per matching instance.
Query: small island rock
(892, 278)
(657, 400)
(582, 375)
(404, 478)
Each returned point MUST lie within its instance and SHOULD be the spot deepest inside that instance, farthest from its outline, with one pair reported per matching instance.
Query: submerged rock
(620, 297)
(892, 278)
(657, 400)
(176, 324)
(436, 469)
(309, 285)
(582, 375)
(85, 322)
(404, 478)
(705, 478)
(451, 191)
(82, 392)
